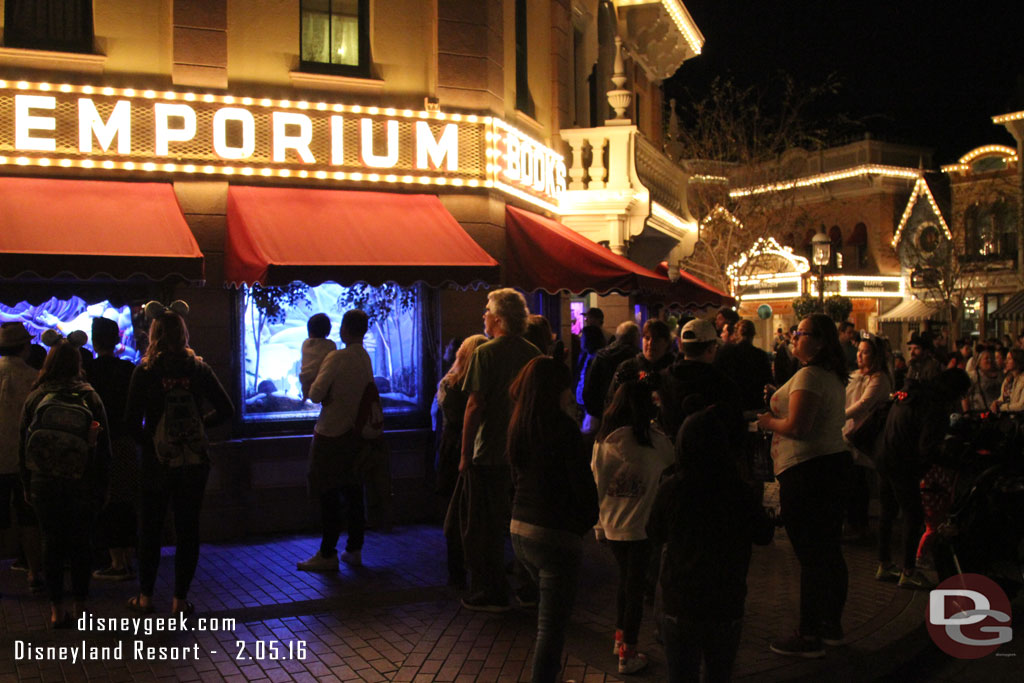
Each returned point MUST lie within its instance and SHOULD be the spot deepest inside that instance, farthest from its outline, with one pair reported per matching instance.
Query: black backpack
(180, 437)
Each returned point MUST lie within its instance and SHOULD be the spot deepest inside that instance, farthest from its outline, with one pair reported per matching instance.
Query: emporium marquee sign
(84, 126)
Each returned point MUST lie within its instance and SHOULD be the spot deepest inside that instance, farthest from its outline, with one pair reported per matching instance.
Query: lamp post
(821, 254)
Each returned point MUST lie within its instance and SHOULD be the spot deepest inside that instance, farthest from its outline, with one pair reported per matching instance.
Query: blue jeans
(555, 569)
(689, 643)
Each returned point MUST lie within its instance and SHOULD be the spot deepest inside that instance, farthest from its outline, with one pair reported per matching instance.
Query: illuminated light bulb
(129, 165)
(208, 169)
(303, 105)
(424, 114)
(247, 101)
(488, 120)
(458, 182)
(373, 178)
(339, 175)
(389, 112)
(170, 168)
(284, 173)
(189, 168)
(407, 179)
(64, 87)
(456, 117)
(229, 99)
(391, 178)
(21, 161)
(321, 106)
(321, 174)
(266, 172)
(489, 136)
(473, 182)
(108, 164)
(66, 163)
(488, 183)
(407, 113)
(247, 171)
(23, 85)
(373, 111)
(356, 109)
(440, 116)
(265, 102)
(149, 94)
(108, 91)
(3, 84)
(356, 176)
(44, 162)
(472, 118)
(286, 104)
(227, 170)
(44, 86)
(338, 107)
(129, 92)
(425, 180)
(208, 98)
(170, 95)
(303, 174)
(86, 163)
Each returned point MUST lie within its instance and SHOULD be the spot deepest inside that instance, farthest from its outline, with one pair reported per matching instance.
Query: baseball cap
(698, 330)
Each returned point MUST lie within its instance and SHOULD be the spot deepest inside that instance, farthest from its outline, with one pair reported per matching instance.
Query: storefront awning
(279, 235)
(1011, 309)
(541, 253)
(913, 311)
(690, 291)
(86, 229)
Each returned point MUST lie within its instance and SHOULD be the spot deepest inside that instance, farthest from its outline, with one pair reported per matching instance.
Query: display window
(273, 327)
(73, 313)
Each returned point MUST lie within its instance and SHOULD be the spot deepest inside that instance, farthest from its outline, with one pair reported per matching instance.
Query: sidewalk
(394, 619)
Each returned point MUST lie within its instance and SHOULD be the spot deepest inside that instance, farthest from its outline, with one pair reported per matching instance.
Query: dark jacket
(915, 428)
(554, 487)
(600, 373)
(749, 368)
(685, 378)
(707, 518)
(110, 377)
(637, 368)
(146, 396)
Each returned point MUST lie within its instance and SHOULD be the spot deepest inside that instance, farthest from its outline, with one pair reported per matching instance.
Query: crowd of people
(656, 439)
(673, 422)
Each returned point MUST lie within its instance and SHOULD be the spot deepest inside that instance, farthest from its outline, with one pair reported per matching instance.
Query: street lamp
(821, 254)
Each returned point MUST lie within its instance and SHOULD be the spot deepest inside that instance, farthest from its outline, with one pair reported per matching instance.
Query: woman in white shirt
(812, 465)
(869, 388)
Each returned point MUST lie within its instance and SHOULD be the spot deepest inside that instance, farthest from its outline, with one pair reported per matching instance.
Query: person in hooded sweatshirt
(708, 519)
(630, 455)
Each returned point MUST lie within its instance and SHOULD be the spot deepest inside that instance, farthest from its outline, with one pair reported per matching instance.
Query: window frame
(524, 100)
(360, 70)
(26, 40)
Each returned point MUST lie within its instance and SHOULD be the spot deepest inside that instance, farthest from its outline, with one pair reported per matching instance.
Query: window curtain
(64, 25)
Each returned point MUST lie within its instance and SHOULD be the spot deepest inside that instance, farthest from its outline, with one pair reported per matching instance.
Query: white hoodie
(627, 476)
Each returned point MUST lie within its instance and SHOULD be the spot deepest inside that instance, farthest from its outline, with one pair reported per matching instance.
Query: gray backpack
(58, 438)
(180, 437)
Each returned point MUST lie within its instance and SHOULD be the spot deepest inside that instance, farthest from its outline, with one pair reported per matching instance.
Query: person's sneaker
(832, 635)
(480, 603)
(887, 572)
(318, 563)
(798, 646)
(631, 661)
(353, 558)
(618, 642)
(19, 565)
(111, 574)
(916, 581)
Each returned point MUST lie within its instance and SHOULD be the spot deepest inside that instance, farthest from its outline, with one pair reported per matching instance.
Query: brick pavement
(393, 619)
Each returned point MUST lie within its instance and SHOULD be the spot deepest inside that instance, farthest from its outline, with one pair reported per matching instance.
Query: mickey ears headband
(155, 309)
(53, 337)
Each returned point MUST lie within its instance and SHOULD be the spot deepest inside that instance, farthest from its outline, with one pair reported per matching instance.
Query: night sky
(930, 74)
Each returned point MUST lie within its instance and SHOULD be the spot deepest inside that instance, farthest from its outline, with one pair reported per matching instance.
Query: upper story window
(990, 231)
(335, 36)
(524, 101)
(58, 25)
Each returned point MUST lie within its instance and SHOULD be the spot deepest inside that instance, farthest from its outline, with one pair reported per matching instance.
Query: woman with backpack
(555, 500)
(629, 457)
(64, 457)
(168, 391)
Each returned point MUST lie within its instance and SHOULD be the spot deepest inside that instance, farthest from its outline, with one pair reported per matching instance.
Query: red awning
(544, 254)
(92, 228)
(279, 235)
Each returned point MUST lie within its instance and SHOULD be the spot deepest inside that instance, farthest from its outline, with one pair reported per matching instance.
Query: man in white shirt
(338, 387)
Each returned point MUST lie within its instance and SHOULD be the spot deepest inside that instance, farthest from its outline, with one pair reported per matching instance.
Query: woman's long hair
(631, 406)
(536, 407)
(63, 364)
(1018, 360)
(879, 356)
(168, 334)
(460, 366)
(830, 356)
